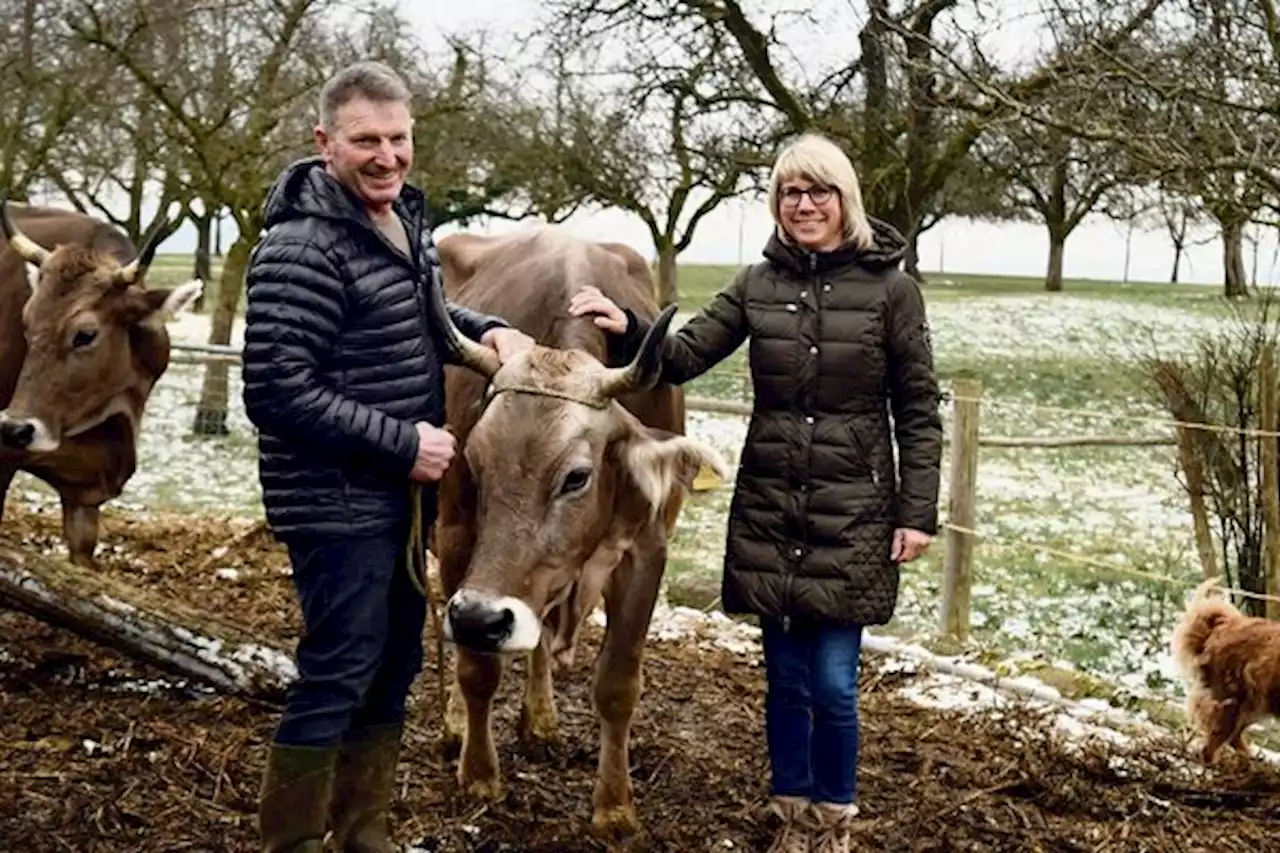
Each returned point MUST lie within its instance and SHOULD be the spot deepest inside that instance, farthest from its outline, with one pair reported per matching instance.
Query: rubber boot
(363, 787)
(294, 801)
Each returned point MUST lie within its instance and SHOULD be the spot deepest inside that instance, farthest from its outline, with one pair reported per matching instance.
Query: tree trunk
(1128, 250)
(150, 628)
(211, 413)
(668, 288)
(1057, 249)
(217, 233)
(911, 263)
(1234, 280)
(203, 266)
(1177, 262)
(1253, 275)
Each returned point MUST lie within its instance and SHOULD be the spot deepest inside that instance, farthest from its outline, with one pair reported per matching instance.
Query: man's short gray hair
(372, 80)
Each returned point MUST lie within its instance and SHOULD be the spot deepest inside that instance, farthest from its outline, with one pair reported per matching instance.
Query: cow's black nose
(17, 434)
(480, 626)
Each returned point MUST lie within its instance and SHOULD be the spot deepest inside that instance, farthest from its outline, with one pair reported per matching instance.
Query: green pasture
(1049, 364)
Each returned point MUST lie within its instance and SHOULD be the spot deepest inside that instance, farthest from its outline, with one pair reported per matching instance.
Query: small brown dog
(1231, 663)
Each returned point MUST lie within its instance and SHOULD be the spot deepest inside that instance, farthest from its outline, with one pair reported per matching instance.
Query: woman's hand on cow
(589, 300)
(909, 544)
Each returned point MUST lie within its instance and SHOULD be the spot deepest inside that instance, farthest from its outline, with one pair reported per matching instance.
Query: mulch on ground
(91, 761)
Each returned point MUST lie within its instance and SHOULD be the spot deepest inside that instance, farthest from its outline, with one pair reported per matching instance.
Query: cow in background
(82, 343)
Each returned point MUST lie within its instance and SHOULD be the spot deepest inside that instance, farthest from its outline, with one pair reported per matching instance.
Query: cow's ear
(659, 462)
(163, 304)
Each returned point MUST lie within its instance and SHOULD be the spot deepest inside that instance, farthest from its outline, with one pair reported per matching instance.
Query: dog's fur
(1231, 663)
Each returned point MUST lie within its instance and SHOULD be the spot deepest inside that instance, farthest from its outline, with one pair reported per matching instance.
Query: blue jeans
(361, 646)
(811, 710)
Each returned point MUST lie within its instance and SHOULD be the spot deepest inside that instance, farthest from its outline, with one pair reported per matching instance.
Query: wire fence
(200, 397)
(220, 387)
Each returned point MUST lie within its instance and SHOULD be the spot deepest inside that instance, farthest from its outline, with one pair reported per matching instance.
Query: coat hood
(305, 189)
(887, 251)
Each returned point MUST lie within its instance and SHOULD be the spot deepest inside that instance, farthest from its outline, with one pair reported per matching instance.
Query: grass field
(1035, 353)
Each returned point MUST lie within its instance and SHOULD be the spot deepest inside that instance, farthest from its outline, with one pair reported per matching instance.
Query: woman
(820, 516)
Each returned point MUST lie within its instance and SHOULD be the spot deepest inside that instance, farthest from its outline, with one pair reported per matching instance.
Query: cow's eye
(575, 481)
(83, 338)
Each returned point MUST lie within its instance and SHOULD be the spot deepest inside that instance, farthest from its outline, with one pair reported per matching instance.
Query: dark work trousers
(361, 646)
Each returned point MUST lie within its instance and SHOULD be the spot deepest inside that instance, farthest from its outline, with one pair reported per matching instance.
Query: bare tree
(485, 146)
(1213, 123)
(47, 87)
(112, 151)
(1191, 98)
(1217, 385)
(1056, 178)
(1177, 214)
(233, 80)
(892, 102)
(661, 131)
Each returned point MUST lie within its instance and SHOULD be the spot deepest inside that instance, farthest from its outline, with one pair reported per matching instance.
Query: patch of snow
(670, 623)
(941, 682)
(236, 662)
(116, 605)
(1028, 326)
(151, 685)
(1124, 504)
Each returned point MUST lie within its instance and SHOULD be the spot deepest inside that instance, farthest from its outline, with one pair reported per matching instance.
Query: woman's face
(811, 214)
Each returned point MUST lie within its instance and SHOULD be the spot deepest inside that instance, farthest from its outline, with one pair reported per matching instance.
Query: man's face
(369, 148)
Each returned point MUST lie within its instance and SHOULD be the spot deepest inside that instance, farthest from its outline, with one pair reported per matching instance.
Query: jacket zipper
(788, 588)
(412, 260)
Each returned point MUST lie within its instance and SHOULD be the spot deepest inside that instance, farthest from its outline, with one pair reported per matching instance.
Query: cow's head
(95, 338)
(561, 471)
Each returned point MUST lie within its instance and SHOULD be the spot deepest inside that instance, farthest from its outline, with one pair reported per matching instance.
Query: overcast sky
(737, 231)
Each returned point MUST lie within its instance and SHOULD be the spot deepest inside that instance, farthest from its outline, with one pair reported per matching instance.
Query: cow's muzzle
(26, 434)
(489, 623)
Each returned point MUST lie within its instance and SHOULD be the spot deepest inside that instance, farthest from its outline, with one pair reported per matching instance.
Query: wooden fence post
(1267, 462)
(1189, 457)
(957, 572)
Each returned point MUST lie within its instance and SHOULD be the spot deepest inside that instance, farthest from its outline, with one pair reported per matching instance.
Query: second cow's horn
(29, 249)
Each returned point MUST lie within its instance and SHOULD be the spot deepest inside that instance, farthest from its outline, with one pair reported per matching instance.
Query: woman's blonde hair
(816, 158)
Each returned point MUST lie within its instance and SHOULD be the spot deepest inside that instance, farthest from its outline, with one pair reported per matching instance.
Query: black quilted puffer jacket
(838, 343)
(338, 360)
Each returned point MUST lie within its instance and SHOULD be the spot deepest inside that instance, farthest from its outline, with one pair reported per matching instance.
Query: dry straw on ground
(91, 763)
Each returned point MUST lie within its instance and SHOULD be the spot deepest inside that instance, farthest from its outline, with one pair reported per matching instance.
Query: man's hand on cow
(507, 342)
(436, 448)
(909, 544)
(589, 300)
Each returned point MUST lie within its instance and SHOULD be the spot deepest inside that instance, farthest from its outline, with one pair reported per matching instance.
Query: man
(345, 382)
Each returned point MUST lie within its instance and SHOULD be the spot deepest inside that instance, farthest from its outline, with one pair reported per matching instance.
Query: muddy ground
(101, 754)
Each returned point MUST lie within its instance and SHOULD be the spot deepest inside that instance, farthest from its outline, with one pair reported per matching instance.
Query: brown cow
(568, 483)
(82, 342)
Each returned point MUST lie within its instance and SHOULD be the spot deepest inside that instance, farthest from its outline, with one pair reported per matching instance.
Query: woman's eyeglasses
(817, 194)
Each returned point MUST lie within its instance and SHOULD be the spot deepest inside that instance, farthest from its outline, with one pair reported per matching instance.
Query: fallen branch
(158, 630)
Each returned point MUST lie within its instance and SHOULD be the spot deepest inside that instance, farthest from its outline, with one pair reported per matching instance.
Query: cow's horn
(29, 249)
(646, 367)
(136, 269)
(466, 352)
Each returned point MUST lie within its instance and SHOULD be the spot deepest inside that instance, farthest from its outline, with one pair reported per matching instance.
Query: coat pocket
(862, 450)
